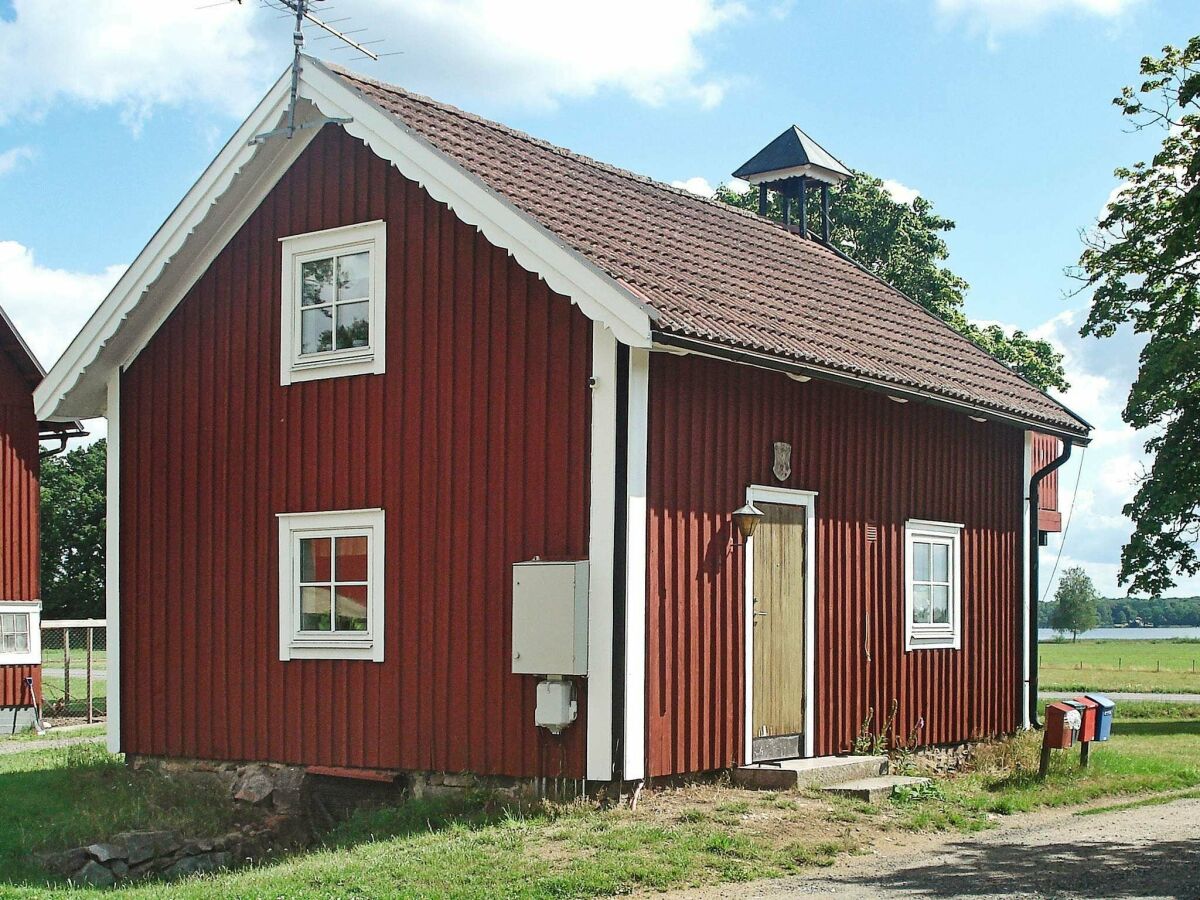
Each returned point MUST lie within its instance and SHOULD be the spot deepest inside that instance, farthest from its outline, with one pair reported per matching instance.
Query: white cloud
(133, 54)
(696, 185)
(901, 193)
(139, 56)
(995, 16)
(49, 306)
(12, 158)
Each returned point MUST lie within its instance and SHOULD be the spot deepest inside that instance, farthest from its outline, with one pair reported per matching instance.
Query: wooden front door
(777, 718)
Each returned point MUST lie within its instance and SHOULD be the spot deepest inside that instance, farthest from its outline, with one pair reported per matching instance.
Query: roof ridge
(545, 144)
(806, 251)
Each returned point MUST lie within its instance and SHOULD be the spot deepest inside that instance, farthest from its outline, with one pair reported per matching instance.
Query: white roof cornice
(234, 185)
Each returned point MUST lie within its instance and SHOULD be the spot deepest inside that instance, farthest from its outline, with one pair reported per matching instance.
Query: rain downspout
(1034, 483)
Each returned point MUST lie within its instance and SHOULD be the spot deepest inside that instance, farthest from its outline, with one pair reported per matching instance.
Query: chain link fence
(74, 670)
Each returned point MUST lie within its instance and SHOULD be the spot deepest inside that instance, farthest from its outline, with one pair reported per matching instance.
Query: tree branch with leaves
(1142, 263)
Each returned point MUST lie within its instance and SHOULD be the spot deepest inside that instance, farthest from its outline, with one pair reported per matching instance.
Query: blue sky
(997, 110)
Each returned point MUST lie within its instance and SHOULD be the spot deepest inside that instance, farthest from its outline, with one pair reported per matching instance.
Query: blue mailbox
(1104, 715)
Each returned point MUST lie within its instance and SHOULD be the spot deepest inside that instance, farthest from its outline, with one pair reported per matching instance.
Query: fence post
(66, 668)
(90, 632)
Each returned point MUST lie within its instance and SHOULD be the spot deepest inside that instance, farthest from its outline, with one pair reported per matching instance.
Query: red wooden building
(424, 432)
(20, 606)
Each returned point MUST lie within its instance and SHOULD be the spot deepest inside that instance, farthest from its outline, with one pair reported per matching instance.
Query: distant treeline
(1159, 612)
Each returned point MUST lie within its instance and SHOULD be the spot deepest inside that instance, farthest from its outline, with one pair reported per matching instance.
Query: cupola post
(788, 165)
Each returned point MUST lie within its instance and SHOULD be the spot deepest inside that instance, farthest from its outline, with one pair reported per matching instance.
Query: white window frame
(923, 636)
(33, 609)
(297, 644)
(300, 248)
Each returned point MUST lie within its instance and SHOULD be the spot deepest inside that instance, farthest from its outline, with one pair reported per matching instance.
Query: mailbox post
(1062, 723)
(1080, 720)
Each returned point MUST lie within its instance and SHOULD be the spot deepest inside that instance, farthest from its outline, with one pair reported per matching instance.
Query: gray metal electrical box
(550, 618)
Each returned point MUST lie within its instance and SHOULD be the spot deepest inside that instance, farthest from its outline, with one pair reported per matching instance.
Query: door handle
(760, 612)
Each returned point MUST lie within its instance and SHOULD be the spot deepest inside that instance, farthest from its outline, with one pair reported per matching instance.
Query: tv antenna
(302, 12)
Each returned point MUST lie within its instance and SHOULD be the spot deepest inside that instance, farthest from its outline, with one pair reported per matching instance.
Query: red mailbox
(1090, 714)
(1062, 721)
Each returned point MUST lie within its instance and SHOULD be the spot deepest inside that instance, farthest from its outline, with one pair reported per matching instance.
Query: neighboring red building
(424, 434)
(20, 606)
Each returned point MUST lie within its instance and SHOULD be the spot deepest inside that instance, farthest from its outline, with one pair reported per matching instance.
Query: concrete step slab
(793, 774)
(873, 790)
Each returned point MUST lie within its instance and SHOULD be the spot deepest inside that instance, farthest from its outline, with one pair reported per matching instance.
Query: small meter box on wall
(550, 617)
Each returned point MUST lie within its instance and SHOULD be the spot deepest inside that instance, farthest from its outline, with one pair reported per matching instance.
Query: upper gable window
(933, 590)
(334, 297)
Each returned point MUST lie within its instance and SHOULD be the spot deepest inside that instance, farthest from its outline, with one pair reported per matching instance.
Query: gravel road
(24, 746)
(1148, 851)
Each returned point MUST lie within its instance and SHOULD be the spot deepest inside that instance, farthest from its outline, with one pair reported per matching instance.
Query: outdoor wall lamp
(746, 519)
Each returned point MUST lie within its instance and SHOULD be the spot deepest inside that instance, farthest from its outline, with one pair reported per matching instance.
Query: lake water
(1126, 634)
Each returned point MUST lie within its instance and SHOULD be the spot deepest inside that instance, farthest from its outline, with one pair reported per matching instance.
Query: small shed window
(331, 585)
(14, 632)
(20, 632)
(933, 585)
(334, 295)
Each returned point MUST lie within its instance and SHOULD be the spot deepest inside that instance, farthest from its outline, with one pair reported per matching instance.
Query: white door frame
(761, 493)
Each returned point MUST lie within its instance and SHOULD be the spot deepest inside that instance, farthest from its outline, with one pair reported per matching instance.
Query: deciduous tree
(1075, 603)
(1143, 262)
(73, 513)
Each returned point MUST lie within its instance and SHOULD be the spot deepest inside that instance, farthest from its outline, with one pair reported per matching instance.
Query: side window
(933, 585)
(331, 572)
(20, 632)
(332, 321)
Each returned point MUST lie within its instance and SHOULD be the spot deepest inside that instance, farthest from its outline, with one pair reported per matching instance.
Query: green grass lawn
(1146, 756)
(689, 836)
(1158, 666)
(54, 696)
(63, 797)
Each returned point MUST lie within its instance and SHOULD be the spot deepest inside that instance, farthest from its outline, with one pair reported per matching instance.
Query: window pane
(920, 561)
(941, 562)
(352, 559)
(353, 325)
(354, 276)
(921, 611)
(352, 607)
(7, 623)
(21, 642)
(941, 604)
(316, 282)
(314, 560)
(314, 609)
(8, 643)
(316, 330)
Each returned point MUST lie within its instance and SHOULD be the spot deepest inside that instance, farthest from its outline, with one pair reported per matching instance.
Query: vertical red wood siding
(19, 544)
(1045, 450)
(13, 691)
(873, 462)
(475, 444)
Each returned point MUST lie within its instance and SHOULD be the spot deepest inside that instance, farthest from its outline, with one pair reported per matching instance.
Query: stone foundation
(291, 802)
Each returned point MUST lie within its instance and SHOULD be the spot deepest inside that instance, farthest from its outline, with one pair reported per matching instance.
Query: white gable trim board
(151, 288)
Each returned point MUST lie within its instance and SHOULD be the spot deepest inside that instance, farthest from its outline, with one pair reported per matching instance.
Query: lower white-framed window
(331, 577)
(20, 632)
(932, 585)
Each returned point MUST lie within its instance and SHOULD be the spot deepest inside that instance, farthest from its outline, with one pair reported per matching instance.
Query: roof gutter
(1032, 625)
(699, 347)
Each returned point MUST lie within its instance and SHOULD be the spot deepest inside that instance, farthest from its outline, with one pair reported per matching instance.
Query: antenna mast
(302, 14)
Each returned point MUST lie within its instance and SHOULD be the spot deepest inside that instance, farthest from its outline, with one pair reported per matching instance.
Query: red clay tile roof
(719, 274)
